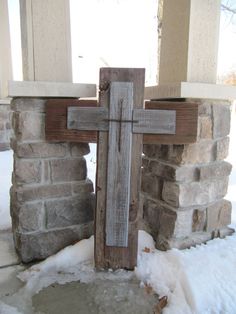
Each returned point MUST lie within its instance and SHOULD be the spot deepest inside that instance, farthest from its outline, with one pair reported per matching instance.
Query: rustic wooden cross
(121, 122)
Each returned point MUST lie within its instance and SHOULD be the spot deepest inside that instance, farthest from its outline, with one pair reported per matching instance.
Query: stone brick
(2, 126)
(194, 193)
(224, 232)
(203, 193)
(167, 222)
(29, 126)
(46, 172)
(42, 192)
(9, 135)
(28, 104)
(40, 245)
(8, 125)
(205, 105)
(204, 108)
(222, 148)
(200, 152)
(173, 172)
(79, 149)
(182, 243)
(4, 115)
(27, 171)
(170, 224)
(152, 185)
(4, 146)
(82, 187)
(40, 150)
(199, 220)
(187, 173)
(175, 154)
(196, 239)
(155, 151)
(67, 212)
(205, 127)
(183, 225)
(64, 170)
(2, 136)
(31, 217)
(221, 120)
(151, 216)
(145, 163)
(215, 170)
(160, 218)
(163, 170)
(171, 193)
(218, 215)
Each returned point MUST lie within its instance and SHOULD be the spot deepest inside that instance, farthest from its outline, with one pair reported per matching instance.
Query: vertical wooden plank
(106, 256)
(119, 164)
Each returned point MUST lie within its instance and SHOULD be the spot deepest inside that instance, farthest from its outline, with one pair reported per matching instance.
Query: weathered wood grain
(87, 119)
(107, 256)
(119, 164)
(56, 121)
(154, 121)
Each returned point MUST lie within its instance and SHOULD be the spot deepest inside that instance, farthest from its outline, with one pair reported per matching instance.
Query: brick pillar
(184, 185)
(52, 200)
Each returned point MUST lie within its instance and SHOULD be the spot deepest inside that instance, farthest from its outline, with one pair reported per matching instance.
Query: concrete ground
(10, 266)
(97, 297)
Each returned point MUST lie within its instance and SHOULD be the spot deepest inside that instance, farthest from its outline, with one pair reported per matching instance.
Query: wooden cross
(121, 122)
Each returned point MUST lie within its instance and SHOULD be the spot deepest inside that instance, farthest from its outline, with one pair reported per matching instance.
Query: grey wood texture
(110, 256)
(87, 119)
(154, 121)
(119, 163)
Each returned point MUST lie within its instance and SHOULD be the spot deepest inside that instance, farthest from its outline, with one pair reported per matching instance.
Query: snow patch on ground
(199, 280)
(91, 162)
(7, 309)
(73, 263)
(6, 166)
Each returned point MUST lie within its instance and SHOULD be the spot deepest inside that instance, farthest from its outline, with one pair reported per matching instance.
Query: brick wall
(52, 199)
(184, 185)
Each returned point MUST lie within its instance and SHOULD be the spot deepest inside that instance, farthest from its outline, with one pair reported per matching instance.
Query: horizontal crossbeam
(56, 122)
(87, 119)
(154, 121)
(143, 121)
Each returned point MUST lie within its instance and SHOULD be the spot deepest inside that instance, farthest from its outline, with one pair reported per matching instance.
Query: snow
(199, 280)
(91, 162)
(6, 165)
(7, 309)
(145, 240)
